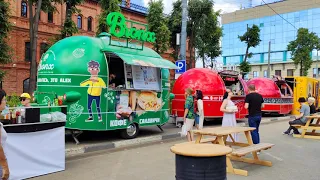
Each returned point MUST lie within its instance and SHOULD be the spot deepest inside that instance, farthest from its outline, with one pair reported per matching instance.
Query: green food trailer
(79, 68)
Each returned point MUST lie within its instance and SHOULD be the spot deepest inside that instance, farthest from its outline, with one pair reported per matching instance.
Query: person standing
(299, 119)
(189, 113)
(229, 113)
(200, 114)
(254, 102)
(4, 168)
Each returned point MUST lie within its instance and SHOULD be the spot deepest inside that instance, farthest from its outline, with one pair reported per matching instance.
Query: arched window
(50, 17)
(26, 85)
(89, 23)
(24, 9)
(79, 21)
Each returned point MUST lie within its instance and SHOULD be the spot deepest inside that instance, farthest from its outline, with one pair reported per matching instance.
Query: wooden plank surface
(200, 150)
(252, 148)
(221, 131)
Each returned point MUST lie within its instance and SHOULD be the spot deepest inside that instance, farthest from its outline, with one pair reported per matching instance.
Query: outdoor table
(305, 133)
(35, 149)
(200, 161)
(221, 134)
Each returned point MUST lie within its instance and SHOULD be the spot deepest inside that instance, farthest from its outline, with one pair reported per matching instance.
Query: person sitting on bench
(299, 119)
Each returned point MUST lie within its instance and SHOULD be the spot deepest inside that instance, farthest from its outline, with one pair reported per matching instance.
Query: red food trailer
(277, 94)
(213, 86)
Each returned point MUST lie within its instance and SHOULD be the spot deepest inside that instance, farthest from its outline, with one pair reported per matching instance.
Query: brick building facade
(17, 73)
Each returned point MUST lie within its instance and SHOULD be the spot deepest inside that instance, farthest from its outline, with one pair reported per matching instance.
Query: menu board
(146, 78)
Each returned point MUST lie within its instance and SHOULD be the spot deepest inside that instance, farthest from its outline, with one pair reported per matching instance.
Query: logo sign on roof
(118, 28)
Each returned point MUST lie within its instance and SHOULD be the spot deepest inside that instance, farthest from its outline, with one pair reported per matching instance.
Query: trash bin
(200, 161)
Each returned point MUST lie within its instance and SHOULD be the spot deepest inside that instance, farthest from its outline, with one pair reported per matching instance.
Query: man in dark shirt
(254, 103)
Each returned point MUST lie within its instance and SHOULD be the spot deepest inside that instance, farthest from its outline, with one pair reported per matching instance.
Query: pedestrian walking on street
(299, 119)
(254, 103)
(199, 115)
(4, 168)
(189, 113)
(229, 110)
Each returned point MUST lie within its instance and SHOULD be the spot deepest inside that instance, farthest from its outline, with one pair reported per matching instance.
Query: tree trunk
(203, 61)
(33, 64)
(301, 69)
(190, 50)
(246, 56)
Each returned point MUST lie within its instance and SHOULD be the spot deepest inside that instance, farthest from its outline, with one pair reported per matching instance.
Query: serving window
(132, 77)
(142, 77)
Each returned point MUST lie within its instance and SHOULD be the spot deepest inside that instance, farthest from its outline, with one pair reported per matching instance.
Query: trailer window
(116, 72)
(233, 84)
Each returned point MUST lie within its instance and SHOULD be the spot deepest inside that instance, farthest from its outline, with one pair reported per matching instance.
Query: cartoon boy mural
(95, 88)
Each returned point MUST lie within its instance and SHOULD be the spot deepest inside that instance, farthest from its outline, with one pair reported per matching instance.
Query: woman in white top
(200, 115)
(229, 113)
(4, 169)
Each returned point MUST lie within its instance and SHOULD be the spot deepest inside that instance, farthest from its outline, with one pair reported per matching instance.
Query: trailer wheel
(130, 132)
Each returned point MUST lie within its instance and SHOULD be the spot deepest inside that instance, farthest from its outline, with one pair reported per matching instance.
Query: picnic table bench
(220, 136)
(305, 133)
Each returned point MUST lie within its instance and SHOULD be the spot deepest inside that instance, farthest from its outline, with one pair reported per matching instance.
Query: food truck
(109, 82)
(277, 94)
(303, 87)
(213, 85)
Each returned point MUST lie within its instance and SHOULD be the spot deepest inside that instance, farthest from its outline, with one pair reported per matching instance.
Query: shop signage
(118, 28)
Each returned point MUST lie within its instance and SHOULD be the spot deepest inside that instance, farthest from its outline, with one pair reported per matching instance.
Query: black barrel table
(200, 161)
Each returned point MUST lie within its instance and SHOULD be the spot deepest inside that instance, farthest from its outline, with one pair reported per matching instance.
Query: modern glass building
(279, 29)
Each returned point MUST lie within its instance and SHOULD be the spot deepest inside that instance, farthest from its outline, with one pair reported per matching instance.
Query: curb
(149, 139)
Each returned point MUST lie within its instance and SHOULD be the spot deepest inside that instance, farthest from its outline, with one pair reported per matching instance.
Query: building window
(90, 23)
(316, 72)
(246, 77)
(43, 48)
(27, 52)
(255, 74)
(50, 17)
(79, 21)
(289, 72)
(24, 9)
(278, 72)
(265, 73)
(26, 85)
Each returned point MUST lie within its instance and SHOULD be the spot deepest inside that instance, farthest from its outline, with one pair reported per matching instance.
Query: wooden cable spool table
(200, 161)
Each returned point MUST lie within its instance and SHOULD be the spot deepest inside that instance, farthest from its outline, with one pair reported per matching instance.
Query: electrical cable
(279, 15)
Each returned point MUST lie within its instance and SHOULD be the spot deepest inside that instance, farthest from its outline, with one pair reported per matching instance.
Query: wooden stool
(200, 161)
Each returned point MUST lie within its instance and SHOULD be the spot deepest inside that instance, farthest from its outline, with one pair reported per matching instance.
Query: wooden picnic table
(221, 134)
(309, 129)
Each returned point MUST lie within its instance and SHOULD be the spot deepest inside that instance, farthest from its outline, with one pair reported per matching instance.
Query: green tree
(197, 10)
(301, 48)
(5, 27)
(252, 38)
(208, 37)
(34, 15)
(174, 26)
(107, 6)
(158, 23)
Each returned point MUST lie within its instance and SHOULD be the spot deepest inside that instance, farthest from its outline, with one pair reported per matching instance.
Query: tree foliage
(5, 27)
(174, 26)
(157, 23)
(252, 38)
(208, 37)
(107, 6)
(301, 48)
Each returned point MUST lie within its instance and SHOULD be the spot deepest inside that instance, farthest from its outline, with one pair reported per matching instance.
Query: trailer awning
(146, 61)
